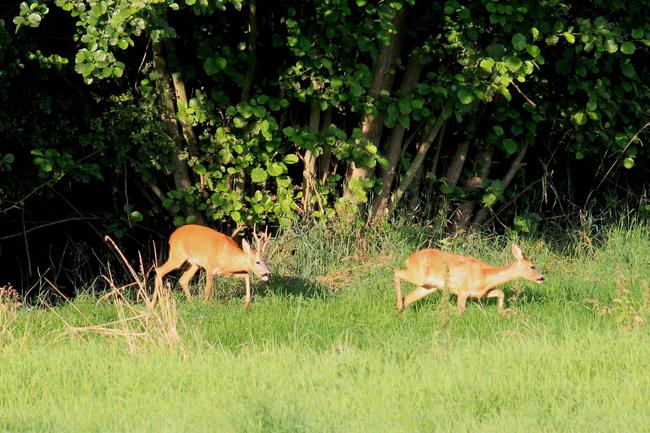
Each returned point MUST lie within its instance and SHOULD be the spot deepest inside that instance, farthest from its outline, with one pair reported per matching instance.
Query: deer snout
(265, 277)
(540, 280)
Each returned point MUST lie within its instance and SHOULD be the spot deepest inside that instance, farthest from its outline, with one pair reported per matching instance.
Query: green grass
(322, 350)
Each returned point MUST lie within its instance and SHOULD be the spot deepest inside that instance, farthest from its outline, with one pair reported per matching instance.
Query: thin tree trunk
(394, 146)
(372, 125)
(457, 163)
(421, 152)
(181, 98)
(414, 202)
(180, 171)
(512, 171)
(326, 157)
(252, 50)
(434, 167)
(454, 170)
(466, 208)
(309, 170)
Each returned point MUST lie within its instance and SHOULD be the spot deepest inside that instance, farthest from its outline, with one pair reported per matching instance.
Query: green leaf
(417, 103)
(551, 40)
(533, 50)
(336, 83)
(8, 158)
(405, 121)
(611, 46)
(276, 169)
(495, 50)
(570, 38)
(290, 158)
(123, 44)
(600, 22)
(637, 33)
(628, 163)
(628, 69)
(535, 33)
(628, 48)
(356, 89)
(487, 64)
(289, 131)
(498, 130)
(513, 63)
(465, 97)
(136, 216)
(258, 175)
(214, 64)
(404, 106)
(579, 118)
(518, 41)
(510, 146)
(122, 15)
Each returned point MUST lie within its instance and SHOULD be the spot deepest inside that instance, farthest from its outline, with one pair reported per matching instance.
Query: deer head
(257, 255)
(525, 267)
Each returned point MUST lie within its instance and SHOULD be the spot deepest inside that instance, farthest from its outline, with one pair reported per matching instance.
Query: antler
(237, 230)
(261, 241)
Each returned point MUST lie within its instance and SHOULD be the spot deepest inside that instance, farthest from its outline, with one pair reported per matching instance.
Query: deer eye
(257, 262)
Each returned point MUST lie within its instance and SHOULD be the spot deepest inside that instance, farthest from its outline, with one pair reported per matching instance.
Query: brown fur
(217, 253)
(465, 277)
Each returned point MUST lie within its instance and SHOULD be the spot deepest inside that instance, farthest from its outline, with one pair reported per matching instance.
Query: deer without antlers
(218, 254)
(465, 277)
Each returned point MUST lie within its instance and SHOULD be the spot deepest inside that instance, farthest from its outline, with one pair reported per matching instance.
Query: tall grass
(322, 349)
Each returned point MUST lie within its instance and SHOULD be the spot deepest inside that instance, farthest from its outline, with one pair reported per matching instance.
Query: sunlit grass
(322, 349)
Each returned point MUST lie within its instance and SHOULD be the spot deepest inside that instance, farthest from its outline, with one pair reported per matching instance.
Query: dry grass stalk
(151, 320)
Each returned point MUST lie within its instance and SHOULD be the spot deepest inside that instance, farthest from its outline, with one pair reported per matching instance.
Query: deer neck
(239, 262)
(496, 275)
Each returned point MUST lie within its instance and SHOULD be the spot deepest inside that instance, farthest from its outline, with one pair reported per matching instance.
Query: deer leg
(184, 280)
(462, 302)
(496, 293)
(208, 286)
(247, 283)
(416, 295)
(397, 276)
(173, 262)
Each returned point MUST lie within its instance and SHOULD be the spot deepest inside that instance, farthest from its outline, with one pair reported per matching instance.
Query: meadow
(322, 349)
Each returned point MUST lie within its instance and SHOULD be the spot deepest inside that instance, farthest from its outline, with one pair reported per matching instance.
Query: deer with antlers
(218, 254)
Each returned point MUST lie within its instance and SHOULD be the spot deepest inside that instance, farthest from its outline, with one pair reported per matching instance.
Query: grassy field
(322, 349)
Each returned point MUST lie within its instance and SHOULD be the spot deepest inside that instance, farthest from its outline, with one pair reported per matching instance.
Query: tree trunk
(326, 157)
(514, 168)
(466, 208)
(309, 170)
(372, 125)
(414, 202)
(393, 148)
(457, 163)
(421, 152)
(180, 171)
(454, 170)
(429, 200)
(252, 50)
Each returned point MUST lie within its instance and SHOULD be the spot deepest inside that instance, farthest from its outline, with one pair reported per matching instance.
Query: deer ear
(516, 251)
(245, 246)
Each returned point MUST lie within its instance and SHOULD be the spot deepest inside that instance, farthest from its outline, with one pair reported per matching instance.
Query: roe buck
(218, 254)
(465, 277)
